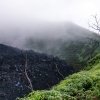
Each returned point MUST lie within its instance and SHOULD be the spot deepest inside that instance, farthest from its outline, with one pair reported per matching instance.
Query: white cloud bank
(77, 11)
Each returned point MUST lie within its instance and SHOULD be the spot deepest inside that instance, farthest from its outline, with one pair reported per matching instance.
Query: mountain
(19, 69)
(22, 71)
(67, 41)
(84, 85)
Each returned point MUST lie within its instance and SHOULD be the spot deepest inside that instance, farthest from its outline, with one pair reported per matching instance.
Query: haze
(22, 18)
(77, 11)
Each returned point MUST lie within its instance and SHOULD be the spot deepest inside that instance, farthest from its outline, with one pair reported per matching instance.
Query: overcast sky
(77, 11)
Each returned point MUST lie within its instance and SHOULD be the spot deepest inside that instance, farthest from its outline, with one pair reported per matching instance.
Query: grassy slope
(84, 85)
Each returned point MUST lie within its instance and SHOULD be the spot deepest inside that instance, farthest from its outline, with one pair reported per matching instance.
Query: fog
(47, 19)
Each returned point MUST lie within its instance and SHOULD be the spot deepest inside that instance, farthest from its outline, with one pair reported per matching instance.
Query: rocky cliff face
(16, 66)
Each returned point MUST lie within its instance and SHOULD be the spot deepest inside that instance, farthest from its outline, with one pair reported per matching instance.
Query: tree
(96, 23)
(26, 74)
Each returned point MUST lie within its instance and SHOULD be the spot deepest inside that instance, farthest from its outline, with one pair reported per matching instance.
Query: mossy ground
(84, 85)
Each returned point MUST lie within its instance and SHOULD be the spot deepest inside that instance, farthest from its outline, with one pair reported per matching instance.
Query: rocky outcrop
(16, 66)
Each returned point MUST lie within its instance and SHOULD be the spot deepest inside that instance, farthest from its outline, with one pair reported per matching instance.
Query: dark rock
(44, 71)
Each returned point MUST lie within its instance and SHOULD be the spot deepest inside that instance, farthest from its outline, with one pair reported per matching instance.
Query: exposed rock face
(44, 71)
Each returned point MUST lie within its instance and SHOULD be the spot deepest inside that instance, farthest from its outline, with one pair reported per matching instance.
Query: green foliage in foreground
(84, 85)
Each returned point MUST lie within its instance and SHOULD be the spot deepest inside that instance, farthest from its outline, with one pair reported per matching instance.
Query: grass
(84, 85)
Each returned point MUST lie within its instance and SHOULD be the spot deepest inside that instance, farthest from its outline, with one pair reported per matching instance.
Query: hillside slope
(68, 41)
(84, 85)
(43, 71)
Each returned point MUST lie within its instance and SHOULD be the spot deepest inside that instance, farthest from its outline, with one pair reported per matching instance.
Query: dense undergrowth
(84, 85)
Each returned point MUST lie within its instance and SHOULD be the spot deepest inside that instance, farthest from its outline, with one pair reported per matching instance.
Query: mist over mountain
(66, 40)
(18, 34)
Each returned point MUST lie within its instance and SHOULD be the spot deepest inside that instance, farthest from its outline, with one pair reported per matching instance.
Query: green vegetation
(76, 51)
(93, 61)
(84, 85)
